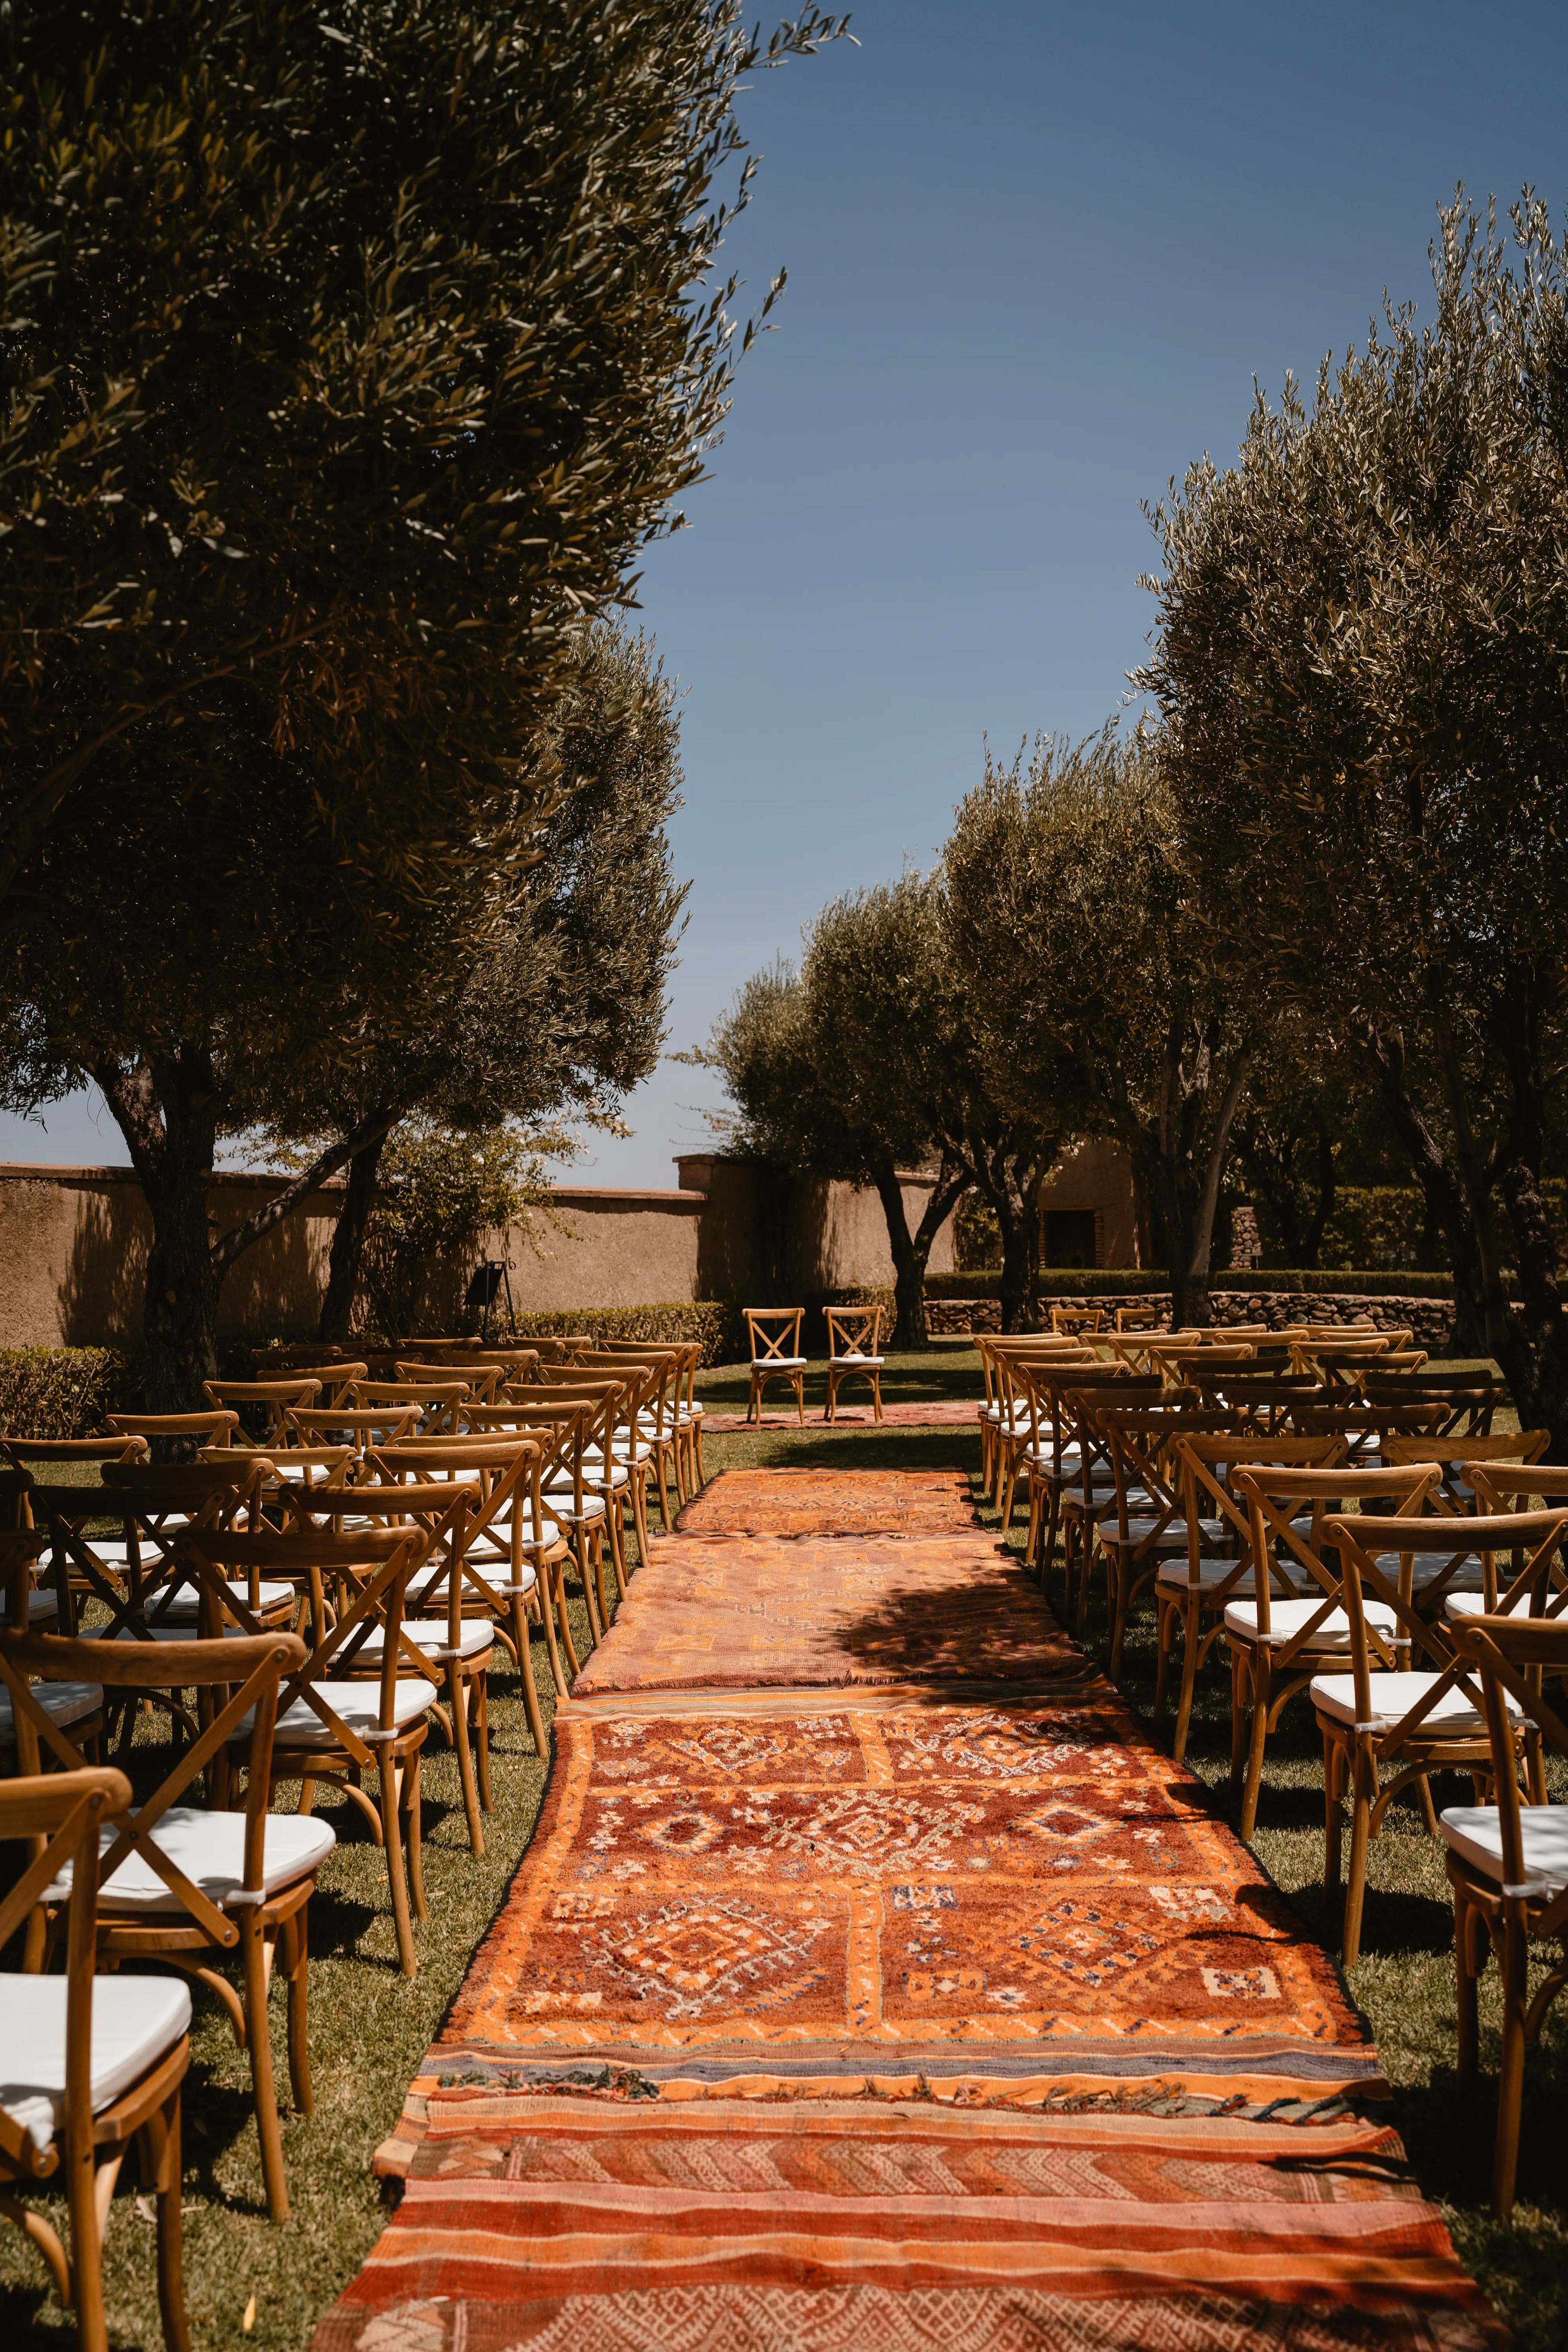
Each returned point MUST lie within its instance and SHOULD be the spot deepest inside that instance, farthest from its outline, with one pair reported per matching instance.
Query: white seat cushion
(210, 1848)
(1172, 1576)
(778, 1363)
(358, 1705)
(497, 1535)
(185, 1604)
(475, 1635)
(1474, 1833)
(42, 1602)
(1285, 1619)
(61, 1702)
(134, 2020)
(1392, 1697)
(1457, 1605)
(853, 1356)
(494, 1573)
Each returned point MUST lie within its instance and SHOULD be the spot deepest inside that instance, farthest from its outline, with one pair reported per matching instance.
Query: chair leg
(1364, 1790)
(615, 1513)
(1258, 1733)
(1468, 1950)
(264, 2090)
(580, 1552)
(296, 1957)
(876, 1394)
(414, 1829)
(799, 1403)
(160, 2138)
(639, 1513)
(662, 1464)
(1510, 2076)
(562, 1621)
(1120, 1574)
(456, 1691)
(392, 1842)
(523, 1642)
(86, 2249)
(479, 1720)
(1240, 1683)
(597, 1552)
(1191, 1642)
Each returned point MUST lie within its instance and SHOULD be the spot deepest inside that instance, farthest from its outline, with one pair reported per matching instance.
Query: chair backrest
(437, 1403)
(275, 1398)
(153, 1504)
(1515, 1657)
(479, 1381)
(1205, 1467)
(23, 1450)
(504, 1476)
(853, 1332)
(1142, 1318)
(1141, 1442)
(1364, 1427)
(354, 1426)
(1365, 1543)
(1272, 1496)
(242, 1676)
(192, 1429)
(368, 1569)
(654, 1407)
(774, 1331)
(1465, 1402)
(1077, 1319)
(334, 1376)
(61, 1816)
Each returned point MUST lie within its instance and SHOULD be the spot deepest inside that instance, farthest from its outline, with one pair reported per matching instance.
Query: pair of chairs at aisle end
(854, 1353)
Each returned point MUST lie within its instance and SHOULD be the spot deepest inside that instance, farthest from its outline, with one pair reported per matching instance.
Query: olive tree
(1097, 1000)
(1362, 663)
(349, 351)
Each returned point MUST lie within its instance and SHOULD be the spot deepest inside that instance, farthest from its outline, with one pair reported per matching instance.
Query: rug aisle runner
(911, 2016)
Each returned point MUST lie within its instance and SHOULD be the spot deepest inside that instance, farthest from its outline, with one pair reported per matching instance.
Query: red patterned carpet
(894, 2021)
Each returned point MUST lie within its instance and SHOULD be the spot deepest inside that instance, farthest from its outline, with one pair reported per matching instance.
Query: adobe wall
(74, 1243)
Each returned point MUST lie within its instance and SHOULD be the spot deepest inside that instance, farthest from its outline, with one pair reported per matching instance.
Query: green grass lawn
(370, 2028)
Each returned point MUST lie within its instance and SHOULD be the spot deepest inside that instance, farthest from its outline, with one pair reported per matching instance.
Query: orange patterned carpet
(895, 2020)
(733, 1612)
(832, 1502)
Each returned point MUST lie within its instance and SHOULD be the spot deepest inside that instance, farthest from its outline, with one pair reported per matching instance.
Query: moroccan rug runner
(914, 1412)
(832, 1502)
(895, 2020)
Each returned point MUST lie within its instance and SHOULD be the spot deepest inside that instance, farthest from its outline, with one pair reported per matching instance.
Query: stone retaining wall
(1429, 1320)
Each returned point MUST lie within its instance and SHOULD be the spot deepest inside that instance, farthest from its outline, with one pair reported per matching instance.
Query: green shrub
(58, 1391)
(713, 1321)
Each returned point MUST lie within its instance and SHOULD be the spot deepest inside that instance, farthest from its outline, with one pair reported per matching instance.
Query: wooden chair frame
(1513, 1657)
(768, 1346)
(1149, 1504)
(62, 1816)
(1352, 1754)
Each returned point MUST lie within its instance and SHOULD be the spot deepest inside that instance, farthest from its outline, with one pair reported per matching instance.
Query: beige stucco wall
(1098, 1175)
(74, 1242)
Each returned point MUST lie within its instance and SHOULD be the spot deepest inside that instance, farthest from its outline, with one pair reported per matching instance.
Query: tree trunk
(1441, 1192)
(1017, 1260)
(1532, 1346)
(348, 1243)
(911, 1251)
(167, 1110)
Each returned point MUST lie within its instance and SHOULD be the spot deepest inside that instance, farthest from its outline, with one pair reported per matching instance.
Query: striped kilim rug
(897, 2020)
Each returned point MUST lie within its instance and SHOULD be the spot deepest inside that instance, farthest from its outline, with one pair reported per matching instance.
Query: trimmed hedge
(1120, 1282)
(713, 1321)
(58, 1391)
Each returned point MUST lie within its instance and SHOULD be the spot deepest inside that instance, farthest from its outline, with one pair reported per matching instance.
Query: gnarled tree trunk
(167, 1110)
(348, 1242)
(911, 1251)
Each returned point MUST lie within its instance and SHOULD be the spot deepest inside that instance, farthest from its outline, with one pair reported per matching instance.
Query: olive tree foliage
(1098, 1001)
(1362, 663)
(865, 1062)
(349, 351)
(557, 1016)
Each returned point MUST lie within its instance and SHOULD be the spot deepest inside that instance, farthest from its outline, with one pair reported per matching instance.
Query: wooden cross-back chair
(336, 1376)
(569, 1504)
(271, 1398)
(135, 1575)
(175, 1433)
(185, 1884)
(91, 2064)
(656, 1420)
(1194, 1589)
(775, 1336)
(1004, 1411)
(444, 1634)
(1507, 1863)
(1074, 1320)
(591, 1490)
(355, 1425)
(1142, 1318)
(481, 1383)
(1147, 1522)
(687, 1405)
(437, 1398)
(853, 1352)
(1277, 1646)
(337, 1716)
(615, 1460)
(1416, 1718)
(1071, 1479)
(21, 1451)
(514, 1553)
(1499, 1486)
(1459, 1403)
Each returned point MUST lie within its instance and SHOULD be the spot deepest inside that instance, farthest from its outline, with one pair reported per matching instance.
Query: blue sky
(1037, 255)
